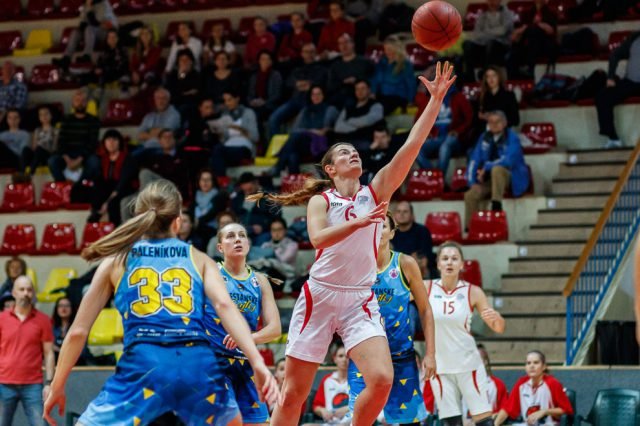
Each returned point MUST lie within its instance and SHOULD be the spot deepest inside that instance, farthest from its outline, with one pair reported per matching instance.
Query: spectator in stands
(413, 238)
(199, 133)
(331, 402)
(308, 136)
(278, 373)
(257, 41)
(152, 164)
(43, 142)
(277, 256)
(115, 161)
(365, 15)
(209, 201)
(345, 71)
(495, 97)
(188, 234)
(184, 84)
(355, 124)
(220, 78)
(293, 43)
(62, 318)
(96, 18)
(490, 40)
(184, 40)
(255, 217)
(394, 82)
(537, 397)
(223, 219)
(497, 163)
(7, 302)
(395, 18)
(535, 38)
(165, 116)
(265, 87)
(238, 127)
(310, 73)
(13, 142)
(25, 341)
(380, 152)
(14, 267)
(77, 144)
(145, 60)
(333, 29)
(218, 42)
(451, 131)
(13, 93)
(113, 63)
(618, 89)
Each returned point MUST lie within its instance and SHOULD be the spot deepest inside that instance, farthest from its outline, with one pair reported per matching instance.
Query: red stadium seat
(70, 8)
(519, 8)
(58, 238)
(223, 181)
(471, 272)
(472, 13)
(18, 239)
(374, 52)
(458, 185)
(561, 9)
(46, 77)
(11, 9)
(55, 195)
(267, 356)
(420, 57)
(424, 184)
(245, 27)
(17, 196)
(9, 41)
(172, 31)
(94, 231)
(543, 136)
(488, 227)
(444, 226)
(209, 23)
(615, 40)
(121, 112)
(64, 40)
(39, 9)
(137, 6)
(293, 182)
(471, 91)
(523, 90)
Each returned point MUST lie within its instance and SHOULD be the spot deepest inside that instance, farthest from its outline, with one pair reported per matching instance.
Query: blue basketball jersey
(161, 294)
(394, 295)
(247, 295)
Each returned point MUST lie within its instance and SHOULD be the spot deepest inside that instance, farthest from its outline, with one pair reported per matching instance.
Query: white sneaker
(613, 143)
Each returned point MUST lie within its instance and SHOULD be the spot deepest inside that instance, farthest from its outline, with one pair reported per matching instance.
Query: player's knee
(452, 421)
(485, 422)
(381, 382)
(291, 397)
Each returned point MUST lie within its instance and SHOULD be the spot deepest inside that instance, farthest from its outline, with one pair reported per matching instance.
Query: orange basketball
(436, 25)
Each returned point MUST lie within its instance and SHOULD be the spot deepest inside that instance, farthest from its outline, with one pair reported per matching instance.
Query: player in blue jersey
(397, 281)
(253, 296)
(159, 286)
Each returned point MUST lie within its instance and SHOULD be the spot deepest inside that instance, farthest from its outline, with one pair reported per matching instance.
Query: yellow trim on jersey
(393, 253)
(119, 281)
(402, 280)
(249, 272)
(193, 262)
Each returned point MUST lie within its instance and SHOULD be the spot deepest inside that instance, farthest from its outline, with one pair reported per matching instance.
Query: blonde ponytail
(156, 206)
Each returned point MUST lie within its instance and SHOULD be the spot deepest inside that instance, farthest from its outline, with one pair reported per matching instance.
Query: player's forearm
(500, 418)
(69, 353)
(267, 334)
(428, 326)
(497, 325)
(333, 234)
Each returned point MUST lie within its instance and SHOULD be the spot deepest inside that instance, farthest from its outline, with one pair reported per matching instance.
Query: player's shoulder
(521, 381)
(551, 381)
(498, 381)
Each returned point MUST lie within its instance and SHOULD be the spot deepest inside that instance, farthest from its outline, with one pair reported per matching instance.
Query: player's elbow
(499, 326)
(78, 333)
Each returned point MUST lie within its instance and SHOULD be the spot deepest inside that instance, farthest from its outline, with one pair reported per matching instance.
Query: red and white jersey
(526, 399)
(456, 350)
(332, 394)
(352, 261)
(496, 393)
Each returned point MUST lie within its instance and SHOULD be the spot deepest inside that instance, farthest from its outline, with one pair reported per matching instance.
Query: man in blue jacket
(497, 163)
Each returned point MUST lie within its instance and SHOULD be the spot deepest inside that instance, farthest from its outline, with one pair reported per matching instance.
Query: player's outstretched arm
(97, 296)
(235, 324)
(411, 271)
(391, 176)
(490, 316)
(322, 235)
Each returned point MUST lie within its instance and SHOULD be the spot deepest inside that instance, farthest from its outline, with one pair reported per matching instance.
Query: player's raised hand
(376, 215)
(429, 366)
(441, 83)
(56, 397)
(266, 384)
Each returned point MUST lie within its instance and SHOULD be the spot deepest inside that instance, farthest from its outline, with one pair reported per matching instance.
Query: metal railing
(602, 255)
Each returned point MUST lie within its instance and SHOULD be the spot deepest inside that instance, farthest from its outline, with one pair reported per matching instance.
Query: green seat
(614, 407)
(566, 420)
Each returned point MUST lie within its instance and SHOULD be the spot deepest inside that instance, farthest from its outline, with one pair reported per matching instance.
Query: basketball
(436, 25)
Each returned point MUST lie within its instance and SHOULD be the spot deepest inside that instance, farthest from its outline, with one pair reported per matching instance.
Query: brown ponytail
(156, 206)
(311, 187)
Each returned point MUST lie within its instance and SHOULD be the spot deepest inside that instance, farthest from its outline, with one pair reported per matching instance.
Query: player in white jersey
(344, 220)
(460, 370)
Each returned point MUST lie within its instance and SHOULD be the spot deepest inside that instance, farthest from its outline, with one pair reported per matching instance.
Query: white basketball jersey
(352, 261)
(456, 350)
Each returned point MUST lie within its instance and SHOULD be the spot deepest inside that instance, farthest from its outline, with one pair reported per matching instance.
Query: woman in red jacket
(450, 133)
(538, 398)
